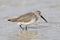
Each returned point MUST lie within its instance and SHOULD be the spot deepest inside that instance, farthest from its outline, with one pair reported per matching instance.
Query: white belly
(27, 23)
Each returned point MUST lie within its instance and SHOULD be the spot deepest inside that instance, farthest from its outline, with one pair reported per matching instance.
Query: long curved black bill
(44, 18)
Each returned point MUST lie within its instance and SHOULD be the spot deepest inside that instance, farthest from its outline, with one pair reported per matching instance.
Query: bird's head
(38, 14)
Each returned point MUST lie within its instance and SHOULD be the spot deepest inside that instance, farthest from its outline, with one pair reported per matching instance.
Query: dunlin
(27, 19)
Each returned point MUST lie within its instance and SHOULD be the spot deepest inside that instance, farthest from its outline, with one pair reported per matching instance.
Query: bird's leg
(26, 28)
(21, 27)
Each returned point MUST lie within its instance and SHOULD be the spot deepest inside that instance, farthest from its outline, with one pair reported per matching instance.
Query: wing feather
(26, 17)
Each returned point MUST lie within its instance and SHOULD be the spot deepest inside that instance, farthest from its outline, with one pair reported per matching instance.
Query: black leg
(21, 27)
(26, 28)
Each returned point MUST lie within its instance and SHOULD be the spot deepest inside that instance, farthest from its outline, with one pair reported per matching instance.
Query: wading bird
(27, 19)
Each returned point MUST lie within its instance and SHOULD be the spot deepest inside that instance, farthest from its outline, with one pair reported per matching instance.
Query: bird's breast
(27, 23)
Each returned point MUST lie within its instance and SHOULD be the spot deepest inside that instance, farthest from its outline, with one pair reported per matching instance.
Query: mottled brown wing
(26, 17)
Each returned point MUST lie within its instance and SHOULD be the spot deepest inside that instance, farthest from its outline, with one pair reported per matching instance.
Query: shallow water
(50, 9)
